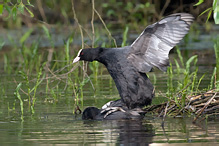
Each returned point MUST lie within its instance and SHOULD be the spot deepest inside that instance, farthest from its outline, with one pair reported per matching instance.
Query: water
(65, 128)
(199, 39)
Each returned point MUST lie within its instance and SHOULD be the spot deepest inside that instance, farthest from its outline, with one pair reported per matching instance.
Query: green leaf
(191, 59)
(46, 30)
(199, 3)
(209, 9)
(215, 4)
(216, 11)
(180, 56)
(8, 9)
(67, 44)
(105, 5)
(147, 4)
(14, 12)
(1, 9)
(125, 36)
(212, 78)
(199, 82)
(209, 15)
(25, 36)
(30, 5)
(21, 8)
(110, 13)
(2, 43)
(17, 94)
(29, 11)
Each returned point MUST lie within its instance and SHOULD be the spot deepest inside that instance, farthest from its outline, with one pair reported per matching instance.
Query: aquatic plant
(186, 79)
(184, 97)
(125, 34)
(48, 35)
(2, 91)
(134, 13)
(216, 74)
(2, 43)
(7, 65)
(34, 89)
(214, 9)
(14, 8)
(32, 98)
(17, 94)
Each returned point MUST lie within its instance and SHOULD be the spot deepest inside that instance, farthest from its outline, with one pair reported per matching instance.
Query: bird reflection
(124, 132)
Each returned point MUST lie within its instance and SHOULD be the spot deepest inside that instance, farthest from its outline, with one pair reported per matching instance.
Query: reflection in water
(65, 128)
(133, 132)
(128, 132)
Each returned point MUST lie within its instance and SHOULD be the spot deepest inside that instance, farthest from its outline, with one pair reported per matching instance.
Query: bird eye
(82, 53)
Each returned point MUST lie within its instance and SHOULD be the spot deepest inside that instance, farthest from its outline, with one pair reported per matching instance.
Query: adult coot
(128, 65)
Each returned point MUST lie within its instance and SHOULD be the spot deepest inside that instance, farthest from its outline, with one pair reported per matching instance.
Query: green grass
(17, 94)
(33, 89)
(183, 80)
(216, 72)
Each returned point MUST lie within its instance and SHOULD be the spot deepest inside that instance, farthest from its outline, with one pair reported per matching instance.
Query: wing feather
(151, 48)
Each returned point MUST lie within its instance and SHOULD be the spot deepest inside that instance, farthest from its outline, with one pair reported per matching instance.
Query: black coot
(128, 65)
(112, 110)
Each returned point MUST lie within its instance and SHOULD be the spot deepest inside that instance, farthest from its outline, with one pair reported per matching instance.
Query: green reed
(48, 35)
(7, 65)
(125, 34)
(17, 94)
(2, 91)
(212, 82)
(2, 43)
(33, 89)
(185, 77)
(216, 50)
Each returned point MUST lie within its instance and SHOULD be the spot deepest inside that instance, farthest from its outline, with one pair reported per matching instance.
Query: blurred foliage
(133, 13)
(15, 7)
(214, 8)
(119, 13)
(216, 49)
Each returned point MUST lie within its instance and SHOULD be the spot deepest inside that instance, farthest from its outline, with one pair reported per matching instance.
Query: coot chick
(128, 65)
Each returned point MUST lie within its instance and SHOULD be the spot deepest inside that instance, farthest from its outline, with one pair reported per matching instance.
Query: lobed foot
(110, 110)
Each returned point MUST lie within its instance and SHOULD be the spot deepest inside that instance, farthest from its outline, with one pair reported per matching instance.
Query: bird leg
(110, 110)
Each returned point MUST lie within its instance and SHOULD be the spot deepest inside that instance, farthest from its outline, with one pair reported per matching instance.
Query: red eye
(82, 53)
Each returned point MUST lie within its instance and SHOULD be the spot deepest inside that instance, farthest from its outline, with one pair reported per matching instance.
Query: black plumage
(128, 65)
(121, 112)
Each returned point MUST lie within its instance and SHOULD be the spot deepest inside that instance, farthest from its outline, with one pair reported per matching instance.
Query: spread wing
(152, 47)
